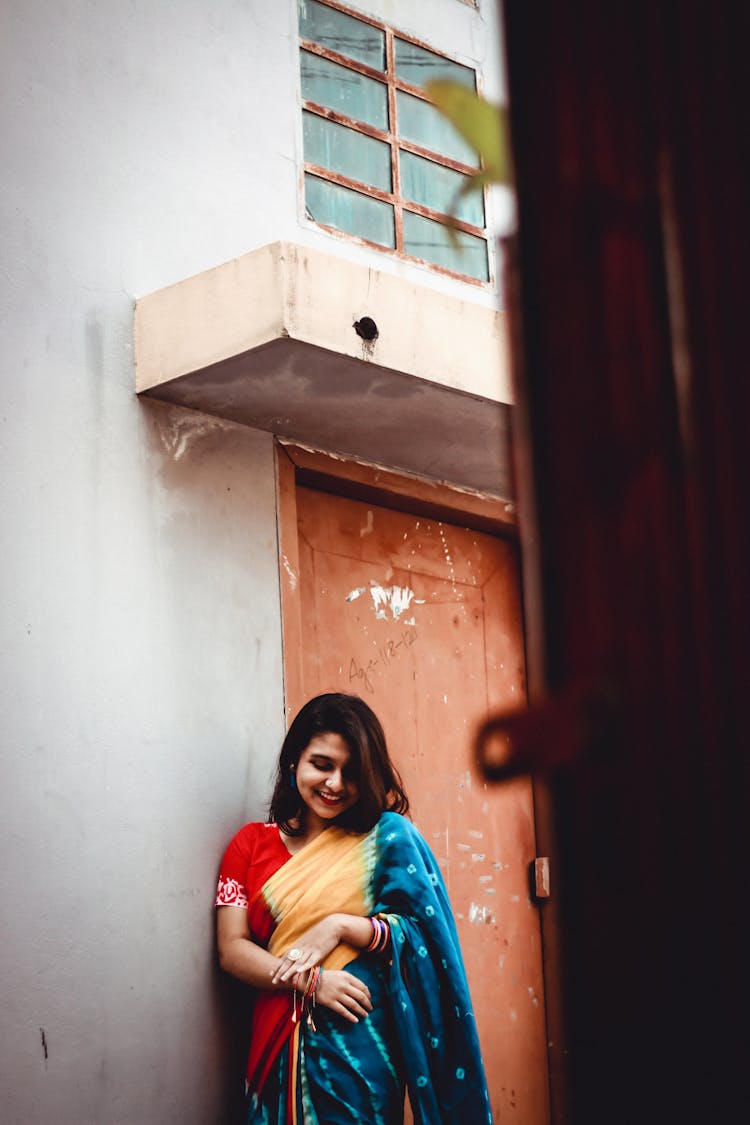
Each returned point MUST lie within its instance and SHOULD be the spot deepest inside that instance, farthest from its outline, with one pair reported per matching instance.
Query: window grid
(396, 143)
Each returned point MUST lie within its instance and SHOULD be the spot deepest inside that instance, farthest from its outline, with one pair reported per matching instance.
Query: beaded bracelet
(310, 992)
(307, 997)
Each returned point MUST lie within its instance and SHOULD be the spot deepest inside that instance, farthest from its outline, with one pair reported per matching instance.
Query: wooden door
(422, 618)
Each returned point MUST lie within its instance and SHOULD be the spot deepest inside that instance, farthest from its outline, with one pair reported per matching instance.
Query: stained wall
(140, 663)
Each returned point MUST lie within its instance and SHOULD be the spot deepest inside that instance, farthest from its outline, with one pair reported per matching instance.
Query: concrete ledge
(268, 340)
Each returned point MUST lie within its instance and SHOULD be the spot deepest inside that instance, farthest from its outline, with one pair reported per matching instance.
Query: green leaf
(482, 125)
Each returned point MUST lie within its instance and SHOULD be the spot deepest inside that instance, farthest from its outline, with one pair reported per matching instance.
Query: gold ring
(294, 954)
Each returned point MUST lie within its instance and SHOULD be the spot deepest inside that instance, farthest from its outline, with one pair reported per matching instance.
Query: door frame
(297, 465)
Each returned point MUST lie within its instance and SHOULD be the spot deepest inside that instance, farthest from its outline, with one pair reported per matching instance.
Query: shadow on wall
(232, 1005)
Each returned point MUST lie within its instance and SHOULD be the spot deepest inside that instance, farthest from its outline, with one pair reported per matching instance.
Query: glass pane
(350, 211)
(421, 123)
(432, 241)
(339, 88)
(342, 33)
(346, 151)
(434, 186)
(416, 65)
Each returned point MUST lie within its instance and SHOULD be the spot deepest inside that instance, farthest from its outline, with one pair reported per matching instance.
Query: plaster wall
(140, 654)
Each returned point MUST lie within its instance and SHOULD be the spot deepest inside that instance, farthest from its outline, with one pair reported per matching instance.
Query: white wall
(140, 662)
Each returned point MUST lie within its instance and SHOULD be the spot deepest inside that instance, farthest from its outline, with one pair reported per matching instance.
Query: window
(380, 162)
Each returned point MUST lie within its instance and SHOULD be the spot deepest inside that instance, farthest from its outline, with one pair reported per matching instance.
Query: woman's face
(323, 779)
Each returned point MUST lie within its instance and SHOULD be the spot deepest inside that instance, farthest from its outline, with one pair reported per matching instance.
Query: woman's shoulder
(253, 833)
(254, 828)
(395, 825)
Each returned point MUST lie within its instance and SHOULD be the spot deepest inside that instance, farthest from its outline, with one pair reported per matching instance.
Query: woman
(336, 913)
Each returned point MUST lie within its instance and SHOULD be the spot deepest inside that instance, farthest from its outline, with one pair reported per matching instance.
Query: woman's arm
(241, 957)
(321, 939)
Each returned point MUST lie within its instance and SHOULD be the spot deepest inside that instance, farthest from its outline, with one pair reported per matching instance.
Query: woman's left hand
(310, 949)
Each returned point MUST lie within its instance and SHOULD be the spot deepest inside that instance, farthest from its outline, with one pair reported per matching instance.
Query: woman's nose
(334, 781)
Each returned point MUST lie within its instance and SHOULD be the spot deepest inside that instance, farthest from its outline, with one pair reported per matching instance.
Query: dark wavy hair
(380, 786)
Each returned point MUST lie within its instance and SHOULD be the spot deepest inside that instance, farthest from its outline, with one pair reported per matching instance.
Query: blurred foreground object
(629, 128)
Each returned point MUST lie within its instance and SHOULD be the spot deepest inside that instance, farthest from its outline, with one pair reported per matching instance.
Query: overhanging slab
(268, 341)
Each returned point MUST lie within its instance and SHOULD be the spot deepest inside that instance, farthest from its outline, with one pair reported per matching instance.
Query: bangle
(381, 933)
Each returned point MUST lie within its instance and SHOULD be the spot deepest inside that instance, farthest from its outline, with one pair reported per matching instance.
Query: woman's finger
(344, 1011)
(297, 968)
(288, 966)
(360, 992)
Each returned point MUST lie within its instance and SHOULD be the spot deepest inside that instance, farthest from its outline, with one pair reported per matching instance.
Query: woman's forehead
(329, 744)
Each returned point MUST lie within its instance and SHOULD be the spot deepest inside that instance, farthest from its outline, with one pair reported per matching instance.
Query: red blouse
(252, 857)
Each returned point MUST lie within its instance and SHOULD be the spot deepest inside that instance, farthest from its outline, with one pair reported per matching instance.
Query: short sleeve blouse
(252, 856)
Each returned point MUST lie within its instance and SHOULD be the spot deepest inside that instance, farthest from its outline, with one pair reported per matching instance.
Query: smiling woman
(324, 780)
(335, 912)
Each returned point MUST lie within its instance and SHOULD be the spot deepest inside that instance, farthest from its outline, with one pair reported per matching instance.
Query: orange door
(423, 620)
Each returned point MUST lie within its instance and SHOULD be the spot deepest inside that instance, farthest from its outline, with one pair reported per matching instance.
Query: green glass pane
(420, 122)
(349, 211)
(336, 87)
(416, 65)
(436, 187)
(346, 151)
(341, 33)
(435, 243)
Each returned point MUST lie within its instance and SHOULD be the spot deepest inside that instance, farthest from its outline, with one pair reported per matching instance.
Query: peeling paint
(354, 594)
(397, 599)
(476, 834)
(368, 528)
(290, 572)
(180, 432)
(478, 857)
(481, 914)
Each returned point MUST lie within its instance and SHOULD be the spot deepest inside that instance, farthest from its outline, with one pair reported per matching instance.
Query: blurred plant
(483, 125)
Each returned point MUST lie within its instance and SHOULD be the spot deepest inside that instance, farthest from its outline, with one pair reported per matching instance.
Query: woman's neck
(311, 829)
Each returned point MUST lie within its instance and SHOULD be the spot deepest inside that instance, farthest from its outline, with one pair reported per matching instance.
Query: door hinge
(540, 877)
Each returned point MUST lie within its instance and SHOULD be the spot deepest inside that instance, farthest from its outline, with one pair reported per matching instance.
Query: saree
(421, 1033)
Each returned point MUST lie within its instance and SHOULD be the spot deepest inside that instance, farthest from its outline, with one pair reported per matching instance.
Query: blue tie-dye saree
(421, 1033)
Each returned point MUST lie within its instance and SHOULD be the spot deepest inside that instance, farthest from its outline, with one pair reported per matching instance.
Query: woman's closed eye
(325, 765)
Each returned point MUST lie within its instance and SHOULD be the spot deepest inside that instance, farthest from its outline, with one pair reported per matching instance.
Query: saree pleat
(421, 1032)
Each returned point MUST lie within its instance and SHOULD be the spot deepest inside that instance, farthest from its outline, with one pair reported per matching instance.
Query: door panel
(423, 620)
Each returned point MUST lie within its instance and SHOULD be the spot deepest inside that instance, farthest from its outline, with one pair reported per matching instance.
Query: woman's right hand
(344, 993)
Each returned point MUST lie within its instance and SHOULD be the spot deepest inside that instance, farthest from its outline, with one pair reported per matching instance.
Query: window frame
(395, 198)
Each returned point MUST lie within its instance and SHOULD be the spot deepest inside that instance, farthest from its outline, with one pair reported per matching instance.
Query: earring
(292, 779)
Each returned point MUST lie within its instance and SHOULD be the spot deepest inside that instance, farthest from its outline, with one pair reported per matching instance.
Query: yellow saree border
(330, 875)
